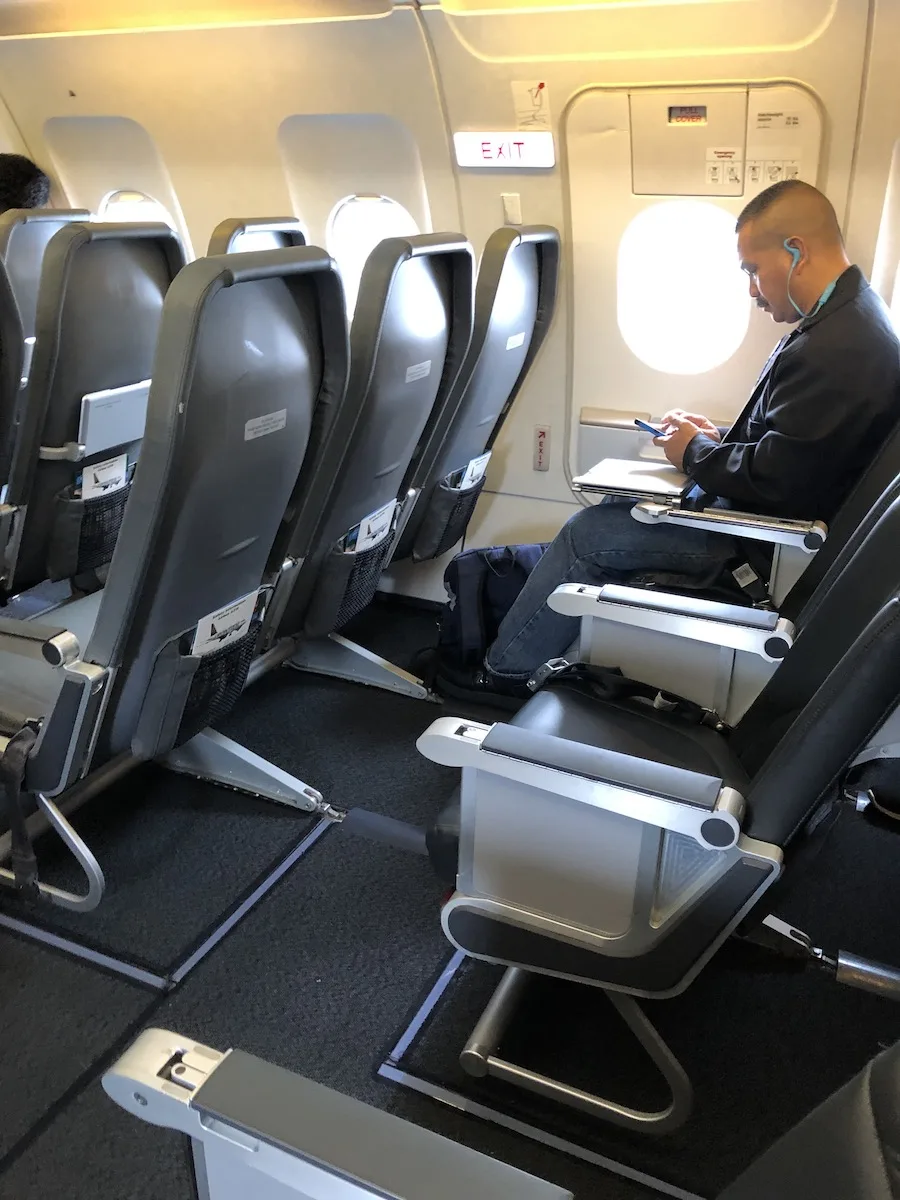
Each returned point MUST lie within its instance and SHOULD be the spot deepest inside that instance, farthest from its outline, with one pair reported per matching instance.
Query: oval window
(133, 206)
(683, 304)
(355, 228)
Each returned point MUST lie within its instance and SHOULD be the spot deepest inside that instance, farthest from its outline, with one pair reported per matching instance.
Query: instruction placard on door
(724, 165)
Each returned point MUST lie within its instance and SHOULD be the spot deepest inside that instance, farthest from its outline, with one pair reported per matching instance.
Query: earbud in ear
(792, 251)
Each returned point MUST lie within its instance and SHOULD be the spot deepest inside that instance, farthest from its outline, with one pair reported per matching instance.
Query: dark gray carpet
(96, 1151)
(58, 1017)
(177, 856)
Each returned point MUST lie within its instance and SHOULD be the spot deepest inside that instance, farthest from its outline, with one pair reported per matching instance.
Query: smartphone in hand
(649, 428)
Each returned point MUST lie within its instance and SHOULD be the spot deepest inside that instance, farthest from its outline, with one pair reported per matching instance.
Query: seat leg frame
(479, 1058)
(78, 847)
(340, 658)
(214, 758)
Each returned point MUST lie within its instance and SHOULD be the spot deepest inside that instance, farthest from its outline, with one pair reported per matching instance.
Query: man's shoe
(477, 685)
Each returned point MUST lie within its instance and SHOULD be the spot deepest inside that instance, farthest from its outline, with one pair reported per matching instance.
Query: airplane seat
(99, 307)
(237, 235)
(250, 369)
(619, 842)
(309, 1142)
(515, 298)
(845, 1149)
(410, 333)
(672, 638)
(24, 235)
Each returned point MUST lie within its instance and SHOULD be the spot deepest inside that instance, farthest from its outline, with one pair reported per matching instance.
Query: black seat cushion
(629, 727)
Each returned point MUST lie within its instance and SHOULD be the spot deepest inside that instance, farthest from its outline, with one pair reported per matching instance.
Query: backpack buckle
(549, 670)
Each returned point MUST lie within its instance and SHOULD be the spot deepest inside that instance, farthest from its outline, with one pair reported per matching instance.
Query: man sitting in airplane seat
(22, 184)
(822, 407)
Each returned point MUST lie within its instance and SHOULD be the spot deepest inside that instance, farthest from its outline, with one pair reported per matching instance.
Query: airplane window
(683, 305)
(133, 206)
(355, 228)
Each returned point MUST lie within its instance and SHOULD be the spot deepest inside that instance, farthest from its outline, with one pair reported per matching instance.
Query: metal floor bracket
(60, 897)
(212, 757)
(479, 1058)
(340, 658)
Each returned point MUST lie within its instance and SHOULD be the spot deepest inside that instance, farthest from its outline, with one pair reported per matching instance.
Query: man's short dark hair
(770, 196)
(764, 201)
(22, 184)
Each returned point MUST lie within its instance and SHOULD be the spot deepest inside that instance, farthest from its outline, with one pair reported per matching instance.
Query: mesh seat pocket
(217, 684)
(445, 522)
(346, 585)
(84, 532)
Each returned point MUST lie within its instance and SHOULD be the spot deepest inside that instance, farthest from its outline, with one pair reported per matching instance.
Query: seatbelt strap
(13, 762)
(608, 683)
(753, 587)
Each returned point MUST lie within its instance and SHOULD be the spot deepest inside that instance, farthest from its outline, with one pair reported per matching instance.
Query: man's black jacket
(820, 412)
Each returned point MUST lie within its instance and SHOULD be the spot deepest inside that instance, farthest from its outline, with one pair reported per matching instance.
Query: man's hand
(703, 424)
(676, 442)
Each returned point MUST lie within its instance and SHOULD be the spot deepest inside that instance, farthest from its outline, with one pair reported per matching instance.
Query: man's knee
(597, 528)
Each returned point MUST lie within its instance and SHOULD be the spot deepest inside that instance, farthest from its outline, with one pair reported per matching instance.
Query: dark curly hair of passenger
(22, 184)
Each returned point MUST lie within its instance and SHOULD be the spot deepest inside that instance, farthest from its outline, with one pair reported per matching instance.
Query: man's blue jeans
(600, 544)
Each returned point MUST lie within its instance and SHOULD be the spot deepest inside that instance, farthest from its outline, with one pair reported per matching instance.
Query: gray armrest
(239, 1109)
(603, 766)
(51, 643)
(690, 606)
(687, 802)
(805, 535)
(698, 620)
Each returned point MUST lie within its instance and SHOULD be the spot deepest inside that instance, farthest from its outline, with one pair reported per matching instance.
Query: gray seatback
(515, 300)
(410, 334)
(251, 368)
(24, 235)
(833, 690)
(99, 307)
(238, 235)
(12, 347)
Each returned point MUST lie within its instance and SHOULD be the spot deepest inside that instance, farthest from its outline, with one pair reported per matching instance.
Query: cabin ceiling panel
(523, 31)
(41, 17)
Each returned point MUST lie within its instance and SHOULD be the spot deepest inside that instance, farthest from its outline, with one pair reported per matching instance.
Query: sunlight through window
(355, 228)
(133, 206)
(683, 304)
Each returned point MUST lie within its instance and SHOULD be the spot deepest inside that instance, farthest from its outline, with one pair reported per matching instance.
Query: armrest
(805, 535)
(51, 643)
(733, 625)
(700, 806)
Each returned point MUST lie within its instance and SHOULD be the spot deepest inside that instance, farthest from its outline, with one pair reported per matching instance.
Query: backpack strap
(13, 762)
(469, 605)
(608, 683)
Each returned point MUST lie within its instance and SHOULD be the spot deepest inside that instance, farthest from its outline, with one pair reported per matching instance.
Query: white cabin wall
(820, 45)
(873, 226)
(213, 100)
